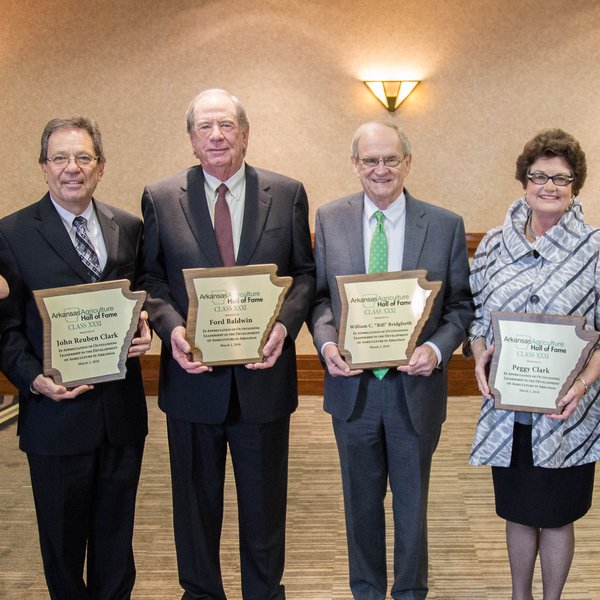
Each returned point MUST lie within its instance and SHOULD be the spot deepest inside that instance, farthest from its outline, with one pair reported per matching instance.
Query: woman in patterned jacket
(543, 259)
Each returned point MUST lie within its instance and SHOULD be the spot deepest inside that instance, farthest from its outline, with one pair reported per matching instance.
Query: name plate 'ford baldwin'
(383, 315)
(536, 359)
(88, 330)
(231, 311)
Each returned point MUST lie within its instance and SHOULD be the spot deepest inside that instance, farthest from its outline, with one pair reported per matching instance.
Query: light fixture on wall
(391, 93)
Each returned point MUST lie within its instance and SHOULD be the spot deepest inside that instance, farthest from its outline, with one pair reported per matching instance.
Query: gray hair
(242, 115)
(402, 137)
(75, 122)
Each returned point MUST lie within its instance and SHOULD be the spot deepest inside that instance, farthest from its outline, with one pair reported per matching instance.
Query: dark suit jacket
(178, 234)
(434, 239)
(37, 253)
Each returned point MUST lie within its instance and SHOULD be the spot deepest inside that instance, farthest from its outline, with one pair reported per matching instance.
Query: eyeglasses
(541, 178)
(81, 160)
(388, 161)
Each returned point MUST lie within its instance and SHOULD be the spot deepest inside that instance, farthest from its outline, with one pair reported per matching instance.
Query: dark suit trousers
(87, 500)
(259, 454)
(378, 442)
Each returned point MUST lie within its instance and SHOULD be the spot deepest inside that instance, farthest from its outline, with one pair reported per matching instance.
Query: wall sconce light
(391, 93)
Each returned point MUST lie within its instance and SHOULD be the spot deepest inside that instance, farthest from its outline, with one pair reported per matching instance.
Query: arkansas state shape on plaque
(231, 311)
(536, 359)
(88, 330)
(383, 315)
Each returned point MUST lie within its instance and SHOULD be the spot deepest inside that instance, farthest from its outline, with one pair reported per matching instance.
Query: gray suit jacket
(434, 240)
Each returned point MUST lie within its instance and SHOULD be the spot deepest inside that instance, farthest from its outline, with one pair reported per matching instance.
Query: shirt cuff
(437, 353)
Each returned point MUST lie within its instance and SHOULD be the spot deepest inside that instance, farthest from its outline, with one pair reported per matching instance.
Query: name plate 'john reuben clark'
(88, 330)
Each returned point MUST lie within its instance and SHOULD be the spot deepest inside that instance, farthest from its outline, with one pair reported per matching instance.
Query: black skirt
(539, 497)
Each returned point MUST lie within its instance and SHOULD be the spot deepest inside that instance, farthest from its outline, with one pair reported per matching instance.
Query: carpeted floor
(467, 551)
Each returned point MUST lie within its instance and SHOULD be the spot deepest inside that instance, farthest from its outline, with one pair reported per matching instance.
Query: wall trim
(461, 380)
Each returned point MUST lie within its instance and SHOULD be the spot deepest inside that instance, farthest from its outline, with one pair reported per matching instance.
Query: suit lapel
(351, 225)
(110, 233)
(194, 205)
(414, 233)
(256, 208)
(53, 231)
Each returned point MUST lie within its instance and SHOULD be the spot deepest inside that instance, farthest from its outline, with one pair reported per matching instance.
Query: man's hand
(272, 349)
(335, 364)
(182, 353)
(141, 344)
(422, 362)
(46, 386)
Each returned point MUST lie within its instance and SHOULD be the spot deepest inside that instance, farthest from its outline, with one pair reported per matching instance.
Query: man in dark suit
(84, 445)
(244, 407)
(387, 424)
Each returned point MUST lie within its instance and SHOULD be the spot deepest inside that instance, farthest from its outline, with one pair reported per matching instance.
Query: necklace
(529, 230)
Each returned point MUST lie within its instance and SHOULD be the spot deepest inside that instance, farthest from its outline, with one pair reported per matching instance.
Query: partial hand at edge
(483, 356)
(141, 344)
(336, 365)
(422, 362)
(569, 402)
(182, 353)
(46, 386)
(271, 350)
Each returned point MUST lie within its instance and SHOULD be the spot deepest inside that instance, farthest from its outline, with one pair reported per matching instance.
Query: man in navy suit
(84, 445)
(247, 407)
(387, 424)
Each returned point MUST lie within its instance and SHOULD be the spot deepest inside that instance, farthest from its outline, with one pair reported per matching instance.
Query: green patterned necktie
(378, 259)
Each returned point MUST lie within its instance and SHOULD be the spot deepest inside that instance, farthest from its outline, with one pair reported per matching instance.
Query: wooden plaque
(536, 359)
(231, 311)
(88, 330)
(383, 315)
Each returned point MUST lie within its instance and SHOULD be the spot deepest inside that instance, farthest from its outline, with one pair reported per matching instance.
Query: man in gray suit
(387, 425)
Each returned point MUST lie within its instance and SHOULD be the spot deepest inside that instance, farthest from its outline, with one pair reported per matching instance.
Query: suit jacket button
(534, 299)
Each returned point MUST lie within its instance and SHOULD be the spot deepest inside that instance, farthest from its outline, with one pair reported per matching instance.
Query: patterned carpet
(467, 552)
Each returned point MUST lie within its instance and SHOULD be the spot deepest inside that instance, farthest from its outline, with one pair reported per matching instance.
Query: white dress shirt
(93, 229)
(394, 225)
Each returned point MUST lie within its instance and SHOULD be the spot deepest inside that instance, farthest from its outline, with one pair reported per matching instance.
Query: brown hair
(553, 142)
(76, 122)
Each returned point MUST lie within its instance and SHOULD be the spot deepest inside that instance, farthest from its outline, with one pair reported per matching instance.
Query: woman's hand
(483, 356)
(570, 401)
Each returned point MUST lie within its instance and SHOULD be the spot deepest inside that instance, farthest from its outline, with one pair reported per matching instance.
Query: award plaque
(536, 359)
(383, 315)
(88, 330)
(231, 311)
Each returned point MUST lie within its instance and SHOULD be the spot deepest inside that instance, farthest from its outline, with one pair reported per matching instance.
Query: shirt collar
(67, 216)
(235, 183)
(393, 212)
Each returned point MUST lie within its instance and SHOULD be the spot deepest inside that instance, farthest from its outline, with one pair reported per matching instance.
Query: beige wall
(494, 72)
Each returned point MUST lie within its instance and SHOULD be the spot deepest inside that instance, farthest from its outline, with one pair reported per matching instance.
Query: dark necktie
(84, 248)
(378, 262)
(223, 228)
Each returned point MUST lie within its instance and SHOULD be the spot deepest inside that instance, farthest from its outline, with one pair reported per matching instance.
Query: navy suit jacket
(434, 239)
(37, 253)
(178, 234)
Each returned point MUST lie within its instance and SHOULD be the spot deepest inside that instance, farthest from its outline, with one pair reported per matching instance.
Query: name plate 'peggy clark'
(536, 359)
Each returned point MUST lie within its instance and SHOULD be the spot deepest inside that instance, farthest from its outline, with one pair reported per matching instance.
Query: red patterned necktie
(223, 228)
